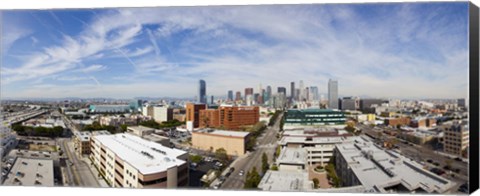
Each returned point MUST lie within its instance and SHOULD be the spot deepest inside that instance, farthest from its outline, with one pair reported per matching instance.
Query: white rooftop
(292, 156)
(83, 135)
(285, 181)
(225, 133)
(314, 140)
(31, 172)
(377, 168)
(130, 147)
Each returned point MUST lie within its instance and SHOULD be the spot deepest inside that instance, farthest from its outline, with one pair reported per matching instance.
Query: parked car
(241, 172)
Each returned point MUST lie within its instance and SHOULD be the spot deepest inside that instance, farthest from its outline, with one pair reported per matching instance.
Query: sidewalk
(94, 171)
(228, 168)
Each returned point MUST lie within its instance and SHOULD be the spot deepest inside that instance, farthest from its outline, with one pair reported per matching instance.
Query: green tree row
(38, 131)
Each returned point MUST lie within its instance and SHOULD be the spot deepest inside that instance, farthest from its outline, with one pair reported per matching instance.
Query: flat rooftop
(140, 128)
(296, 156)
(224, 132)
(83, 136)
(31, 172)
(377, 168)
(285, 181)
(155, 157)
(314, 140)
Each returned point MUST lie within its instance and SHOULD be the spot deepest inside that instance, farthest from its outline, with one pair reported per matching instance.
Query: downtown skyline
(412, 50)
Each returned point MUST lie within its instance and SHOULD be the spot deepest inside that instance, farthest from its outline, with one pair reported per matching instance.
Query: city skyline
(157, 53)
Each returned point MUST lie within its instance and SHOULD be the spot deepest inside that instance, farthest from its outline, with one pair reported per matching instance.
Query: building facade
(126, 160)
(229, 117)
(193, 114)
(297, 118)
(455, 138)
(202, 92)
(332, 94)
(234, 142)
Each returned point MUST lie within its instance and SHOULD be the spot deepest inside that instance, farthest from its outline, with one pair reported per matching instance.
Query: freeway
(266, 144)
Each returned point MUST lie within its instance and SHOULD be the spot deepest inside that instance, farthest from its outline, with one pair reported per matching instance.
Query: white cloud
(93, 68)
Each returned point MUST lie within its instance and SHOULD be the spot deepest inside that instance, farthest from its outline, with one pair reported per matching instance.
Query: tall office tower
(301, 96)
(332, 94)
(461, 102)
(314, 93)
(238, 96)
(248, 91)
(262, 97)
(202, 92)
(211, 100)
(282, 90)
(269, 93)
(307, 94)
(292, 91)
(297, 94)
(230, 96)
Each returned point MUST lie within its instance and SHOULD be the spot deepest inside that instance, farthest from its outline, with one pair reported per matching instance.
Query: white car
(241, 173)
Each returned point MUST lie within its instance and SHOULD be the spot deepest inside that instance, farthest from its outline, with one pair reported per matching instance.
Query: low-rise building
(295, 118)
(126, 160)
(140, 130)
(229, 117)
(361, 162)
(292, 159)
(31, 172)
(286, 181)
(400, 121)
(81, 142)
(319, 143)
(234, 142)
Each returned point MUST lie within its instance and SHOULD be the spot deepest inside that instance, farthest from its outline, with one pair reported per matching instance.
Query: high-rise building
(192, 114)
(332, 94)
(269, 94)
(301, 95)
(230, 96)
(292, 91)
(211, 100)
(314, 93)
(248, 91)
(238, 96)
(202, 92)
(461, 102)
(282, 90)
(256, 97)
(297, 94)
(307, 94)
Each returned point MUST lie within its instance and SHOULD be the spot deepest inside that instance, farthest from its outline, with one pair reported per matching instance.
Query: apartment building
(126, 160)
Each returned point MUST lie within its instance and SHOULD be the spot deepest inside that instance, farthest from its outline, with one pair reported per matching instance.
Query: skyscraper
(248, 91)
(292, 91)
(332, 94)
(314, 93)
(269, 93)
(230, 95)
(301, 95)
(238, 96)
(282, 90)
(202, 92)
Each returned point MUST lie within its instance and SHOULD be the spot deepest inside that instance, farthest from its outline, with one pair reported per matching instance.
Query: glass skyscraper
(332, 94)
(202, 92)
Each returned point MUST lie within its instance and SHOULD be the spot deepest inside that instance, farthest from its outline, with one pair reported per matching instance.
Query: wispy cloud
(401, 50)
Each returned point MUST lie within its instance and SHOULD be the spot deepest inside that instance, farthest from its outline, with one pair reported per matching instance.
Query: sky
(406, 50)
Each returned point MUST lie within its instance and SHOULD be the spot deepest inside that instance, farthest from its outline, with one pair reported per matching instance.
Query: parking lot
(198, 170)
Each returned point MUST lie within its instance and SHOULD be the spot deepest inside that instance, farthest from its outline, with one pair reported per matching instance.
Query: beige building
(140, 130)
(81, 141)
(234, 142)
(126, 160)
(455, 138)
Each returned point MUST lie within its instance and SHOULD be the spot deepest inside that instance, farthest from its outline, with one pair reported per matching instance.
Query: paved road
(267, 144)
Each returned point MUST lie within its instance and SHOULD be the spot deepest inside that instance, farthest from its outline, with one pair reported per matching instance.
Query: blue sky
(409, 50)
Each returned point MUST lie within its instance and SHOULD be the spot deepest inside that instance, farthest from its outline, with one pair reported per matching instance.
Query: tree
(315, 183)
(252, 179)
(195, 158)
(123, 128)
(274, 168)
(221, 154)
(265, 164)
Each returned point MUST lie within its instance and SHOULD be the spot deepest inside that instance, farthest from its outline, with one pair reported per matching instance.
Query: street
(267, 143)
